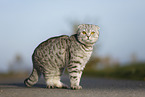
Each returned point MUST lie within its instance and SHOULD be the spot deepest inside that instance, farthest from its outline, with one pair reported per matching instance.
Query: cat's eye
(92, 33)
(84, 32)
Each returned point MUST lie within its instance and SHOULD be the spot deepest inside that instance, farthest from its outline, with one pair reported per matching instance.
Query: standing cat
(52, 56)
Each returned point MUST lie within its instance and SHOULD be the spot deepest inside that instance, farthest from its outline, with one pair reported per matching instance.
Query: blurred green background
(119, 53)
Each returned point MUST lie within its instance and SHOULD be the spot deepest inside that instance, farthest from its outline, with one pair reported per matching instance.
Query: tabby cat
(52, 56)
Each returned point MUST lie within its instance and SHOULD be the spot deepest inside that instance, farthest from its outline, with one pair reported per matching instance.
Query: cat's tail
(33, 78)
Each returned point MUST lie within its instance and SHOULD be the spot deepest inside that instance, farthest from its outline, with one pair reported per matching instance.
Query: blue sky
(26, 23)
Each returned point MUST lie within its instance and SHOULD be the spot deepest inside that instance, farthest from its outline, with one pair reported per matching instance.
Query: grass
(13, 75)
(135, 71)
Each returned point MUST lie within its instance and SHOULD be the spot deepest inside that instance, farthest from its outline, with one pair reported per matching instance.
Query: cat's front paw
(64, 86)
(76, 87)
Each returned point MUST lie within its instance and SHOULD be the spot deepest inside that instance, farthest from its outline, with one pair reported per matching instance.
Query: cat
(52, 56)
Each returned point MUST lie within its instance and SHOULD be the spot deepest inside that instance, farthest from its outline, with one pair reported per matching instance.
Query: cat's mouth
(88, 41)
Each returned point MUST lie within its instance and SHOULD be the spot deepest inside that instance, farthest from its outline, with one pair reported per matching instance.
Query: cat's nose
(88, 37)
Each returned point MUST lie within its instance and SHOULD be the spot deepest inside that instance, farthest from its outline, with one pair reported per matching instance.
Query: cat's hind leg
(53, 81)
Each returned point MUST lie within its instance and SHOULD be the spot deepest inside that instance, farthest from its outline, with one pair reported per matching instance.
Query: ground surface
(92, 87)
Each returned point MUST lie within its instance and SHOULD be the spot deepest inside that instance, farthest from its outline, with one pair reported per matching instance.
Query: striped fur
(52, 56)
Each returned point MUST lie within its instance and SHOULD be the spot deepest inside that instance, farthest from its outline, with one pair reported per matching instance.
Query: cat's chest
(77, 49)
(79, 56)
(79, 52)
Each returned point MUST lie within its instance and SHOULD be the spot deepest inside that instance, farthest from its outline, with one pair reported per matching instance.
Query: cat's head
(88, 34)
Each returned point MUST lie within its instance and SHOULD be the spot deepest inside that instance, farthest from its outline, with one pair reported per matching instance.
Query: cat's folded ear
(82, 25)
(98, 28)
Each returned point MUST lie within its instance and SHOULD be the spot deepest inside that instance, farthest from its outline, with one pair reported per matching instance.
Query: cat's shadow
(20, 85)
